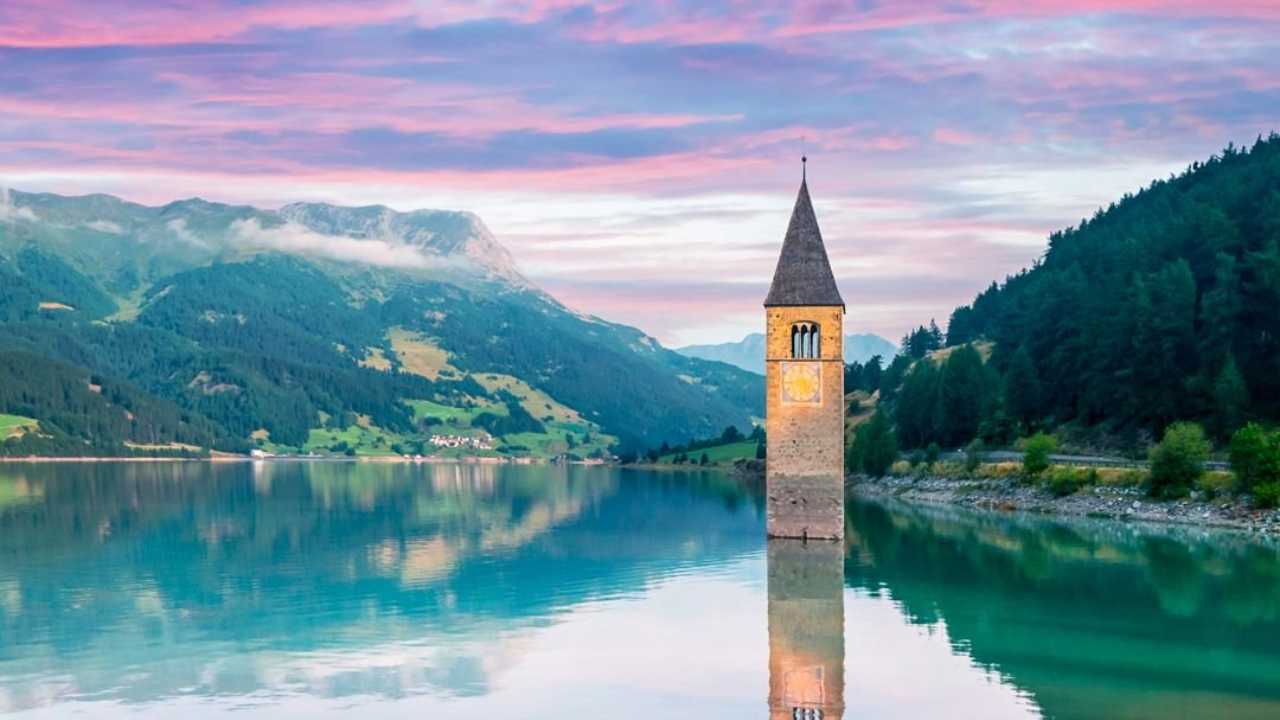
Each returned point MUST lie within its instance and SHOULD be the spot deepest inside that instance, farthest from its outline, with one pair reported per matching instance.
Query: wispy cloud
(105, 226)
(294, 238)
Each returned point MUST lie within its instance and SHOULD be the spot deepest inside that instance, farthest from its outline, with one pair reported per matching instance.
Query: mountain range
(748, 353)
(317, 328)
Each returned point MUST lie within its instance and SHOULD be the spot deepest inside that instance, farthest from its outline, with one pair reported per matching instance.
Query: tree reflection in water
(1089, 618)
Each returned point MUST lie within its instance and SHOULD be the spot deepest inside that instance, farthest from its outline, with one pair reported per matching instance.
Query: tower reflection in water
(806, 630)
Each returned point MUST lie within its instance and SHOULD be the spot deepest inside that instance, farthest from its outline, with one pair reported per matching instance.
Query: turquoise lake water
(400, 591)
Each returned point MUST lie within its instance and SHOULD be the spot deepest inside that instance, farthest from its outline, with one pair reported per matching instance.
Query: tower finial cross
(804, 164)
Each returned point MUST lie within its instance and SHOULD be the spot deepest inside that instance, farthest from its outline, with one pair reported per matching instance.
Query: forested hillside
(132, 329)
(1164, 306)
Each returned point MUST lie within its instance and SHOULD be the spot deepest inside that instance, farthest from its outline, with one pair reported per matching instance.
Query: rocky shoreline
(1116, 502)
(1127, 503)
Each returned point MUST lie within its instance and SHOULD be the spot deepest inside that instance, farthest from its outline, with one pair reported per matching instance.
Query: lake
(291, 589)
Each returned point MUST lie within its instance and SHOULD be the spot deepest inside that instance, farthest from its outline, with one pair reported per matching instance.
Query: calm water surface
(394, 591)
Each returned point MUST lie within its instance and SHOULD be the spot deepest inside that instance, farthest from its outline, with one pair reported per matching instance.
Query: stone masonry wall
(805, 463)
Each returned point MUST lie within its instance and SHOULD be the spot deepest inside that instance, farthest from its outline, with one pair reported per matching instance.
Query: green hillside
(210, 340)
(1161, 307)
(724, 454)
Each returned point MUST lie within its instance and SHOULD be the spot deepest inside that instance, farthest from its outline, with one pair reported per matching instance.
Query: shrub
(1035, 456)
(999, 471)
(1267, 494)
(875, 446)
(932, 453)
(901, 468)
(1255, 456)
(1178, 461)
(949, 469)
(1249, 446)
(973, 456)
(1124, 478)
(1065, 481)
(1216, 483)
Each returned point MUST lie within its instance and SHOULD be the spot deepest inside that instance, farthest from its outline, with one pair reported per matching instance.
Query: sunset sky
(640, 159)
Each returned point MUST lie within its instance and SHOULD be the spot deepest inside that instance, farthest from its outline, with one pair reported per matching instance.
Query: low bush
(973, 456)
(1178, 461)
(1250, 446)
(1267, 495)
(948, 469)
(999, 471)
(900, 468)
(1035, 454)
(932, 453)
(1121, 477)
(1062, 481)
(1215, 483)
(1255, 460)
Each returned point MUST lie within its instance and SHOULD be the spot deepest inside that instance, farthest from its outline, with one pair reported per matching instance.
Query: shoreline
(1127, 504)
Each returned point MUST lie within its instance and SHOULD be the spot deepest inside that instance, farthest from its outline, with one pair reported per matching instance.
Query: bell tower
(804, 379)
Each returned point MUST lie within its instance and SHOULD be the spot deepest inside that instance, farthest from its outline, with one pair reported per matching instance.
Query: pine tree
(875, 446)
(891, 378)
(960, 328)
(1164, 344)
(1231, 399)
(935, 335)
(871, 373)
(1022, 388)
(964, 397)
(853, 376)
(917, 405)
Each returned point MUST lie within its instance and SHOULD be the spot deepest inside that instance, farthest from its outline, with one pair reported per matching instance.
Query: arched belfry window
(806, 341)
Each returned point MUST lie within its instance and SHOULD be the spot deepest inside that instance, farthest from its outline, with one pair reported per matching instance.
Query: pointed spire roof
(803, 275)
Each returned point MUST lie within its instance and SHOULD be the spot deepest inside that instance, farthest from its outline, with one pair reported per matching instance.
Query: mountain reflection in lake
(389, 590)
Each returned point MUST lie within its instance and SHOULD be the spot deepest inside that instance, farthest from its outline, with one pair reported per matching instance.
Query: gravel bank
(1124, 503)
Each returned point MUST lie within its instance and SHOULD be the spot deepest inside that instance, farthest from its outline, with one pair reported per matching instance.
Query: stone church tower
(804, 373)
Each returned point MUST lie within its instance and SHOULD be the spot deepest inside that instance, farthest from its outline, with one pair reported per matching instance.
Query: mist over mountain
(317, 328)
(748, 353)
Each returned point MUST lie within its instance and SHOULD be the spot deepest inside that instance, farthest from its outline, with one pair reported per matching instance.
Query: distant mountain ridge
(107, 233)
(317, 328)
(748, 353)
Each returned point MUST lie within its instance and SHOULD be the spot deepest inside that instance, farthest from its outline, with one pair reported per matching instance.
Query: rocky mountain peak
(443, 233)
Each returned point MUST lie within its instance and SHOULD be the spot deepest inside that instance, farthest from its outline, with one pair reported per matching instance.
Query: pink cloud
(73, 23)
(952, 136)
(794, 139)
(873, 110)
(694, 23)
(332, 103)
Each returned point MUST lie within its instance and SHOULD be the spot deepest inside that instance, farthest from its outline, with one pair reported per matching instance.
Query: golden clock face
(801, 383)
